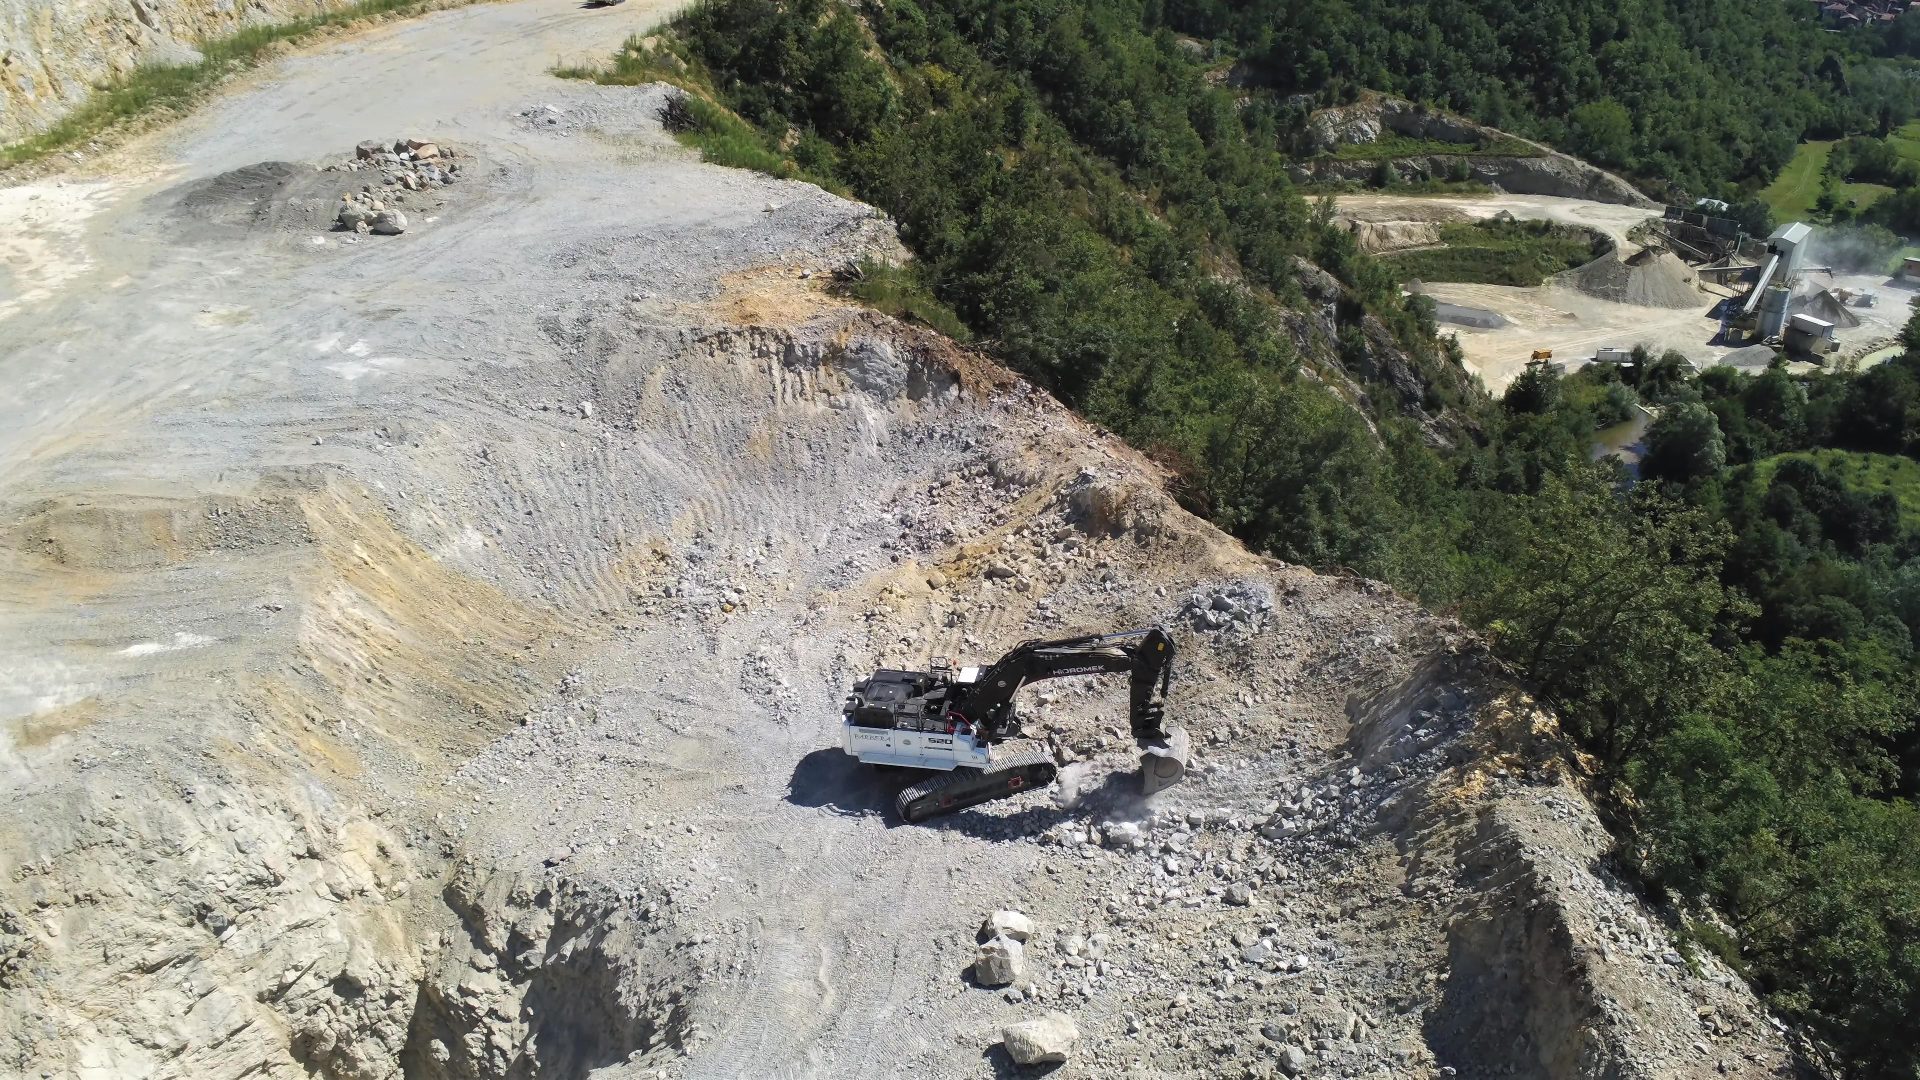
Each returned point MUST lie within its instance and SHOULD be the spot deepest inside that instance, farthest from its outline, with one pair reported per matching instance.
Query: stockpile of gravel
(1824, 305)
(1649, 279)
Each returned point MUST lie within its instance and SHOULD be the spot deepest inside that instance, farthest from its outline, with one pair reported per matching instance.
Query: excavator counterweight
(947, 721)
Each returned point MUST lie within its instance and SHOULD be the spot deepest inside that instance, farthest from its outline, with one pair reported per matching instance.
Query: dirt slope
(420, 656)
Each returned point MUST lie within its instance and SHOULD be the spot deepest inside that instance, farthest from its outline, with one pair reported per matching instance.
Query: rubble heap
(408, 165)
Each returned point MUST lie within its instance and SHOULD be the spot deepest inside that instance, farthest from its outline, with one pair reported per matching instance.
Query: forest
(1687, 97)
(1729, 634)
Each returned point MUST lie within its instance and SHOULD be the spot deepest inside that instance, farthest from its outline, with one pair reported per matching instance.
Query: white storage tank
(1773, 311)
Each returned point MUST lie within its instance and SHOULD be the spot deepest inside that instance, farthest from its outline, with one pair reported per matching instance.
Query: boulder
(1038, 1042)
(355, 217)
(1293, 1060)
(1007, 923)
(423, 150)
(1000, 962)
(368, 150)
(389, 223)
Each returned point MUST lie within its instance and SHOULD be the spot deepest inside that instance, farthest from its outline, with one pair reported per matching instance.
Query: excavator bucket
(1164, 761)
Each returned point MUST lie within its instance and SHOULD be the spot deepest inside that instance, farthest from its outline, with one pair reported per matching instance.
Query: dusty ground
(1613, 219)
(1571, 324)
(421, 656)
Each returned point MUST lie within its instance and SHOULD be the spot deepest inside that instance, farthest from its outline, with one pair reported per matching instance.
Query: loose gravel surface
(420, 656)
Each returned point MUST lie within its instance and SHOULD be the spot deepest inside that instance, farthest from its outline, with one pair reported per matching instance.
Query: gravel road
(420, 655)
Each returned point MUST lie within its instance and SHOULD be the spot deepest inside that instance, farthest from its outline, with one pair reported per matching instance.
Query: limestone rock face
(1541, 171)
(57, 50)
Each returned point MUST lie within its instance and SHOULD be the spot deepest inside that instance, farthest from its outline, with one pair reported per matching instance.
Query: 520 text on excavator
(948, 721)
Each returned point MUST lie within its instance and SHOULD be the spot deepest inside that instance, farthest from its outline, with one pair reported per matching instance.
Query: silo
(1773, 312)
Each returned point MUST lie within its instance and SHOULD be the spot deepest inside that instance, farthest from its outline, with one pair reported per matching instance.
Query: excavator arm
(1145, 655)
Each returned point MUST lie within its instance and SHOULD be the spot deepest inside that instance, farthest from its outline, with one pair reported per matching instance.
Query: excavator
(947, 721)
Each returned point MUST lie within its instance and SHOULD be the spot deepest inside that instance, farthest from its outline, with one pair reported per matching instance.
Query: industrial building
(1783, 306)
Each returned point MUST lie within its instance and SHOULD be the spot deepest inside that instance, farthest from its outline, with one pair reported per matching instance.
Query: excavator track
(946, 792)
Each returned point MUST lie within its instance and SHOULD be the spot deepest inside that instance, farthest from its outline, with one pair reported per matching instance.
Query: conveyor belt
(1766, 276)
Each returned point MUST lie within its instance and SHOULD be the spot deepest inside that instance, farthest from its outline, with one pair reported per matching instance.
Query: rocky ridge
(57, 51)
(1542, 171)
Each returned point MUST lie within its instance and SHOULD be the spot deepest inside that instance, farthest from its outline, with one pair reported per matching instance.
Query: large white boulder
(1000, 962)
(1007, 923)
(1037, 1042)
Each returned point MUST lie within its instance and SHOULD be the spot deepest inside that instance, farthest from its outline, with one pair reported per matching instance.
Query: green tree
(1535, 391)
(1608, 606)
(1603, 130)
(1684, 444)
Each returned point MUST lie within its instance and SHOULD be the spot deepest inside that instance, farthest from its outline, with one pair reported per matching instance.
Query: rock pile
(409, 165)
(1647, 278)
(1239, 603)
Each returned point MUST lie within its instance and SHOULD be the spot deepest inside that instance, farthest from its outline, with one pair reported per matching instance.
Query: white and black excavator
(947, 720)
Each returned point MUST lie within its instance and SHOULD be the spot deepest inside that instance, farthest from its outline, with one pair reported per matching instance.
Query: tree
(1684, 444)
(1608, 606)
(1658, 379)
(1884, 408)
(1535, 391)
(1754, 215)
(1603, 130)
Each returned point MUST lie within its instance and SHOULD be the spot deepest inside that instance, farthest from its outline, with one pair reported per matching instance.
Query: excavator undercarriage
(948, 720)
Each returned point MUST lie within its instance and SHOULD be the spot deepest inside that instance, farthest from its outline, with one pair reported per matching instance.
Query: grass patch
(1860, 195)
(1523, 253)
(1715, 940)
(150, 88)
(723, 137)
(1906, 140)
(1399, 146)
(1865, 473)
(901, 292)
(1793, 192)
(694, 118)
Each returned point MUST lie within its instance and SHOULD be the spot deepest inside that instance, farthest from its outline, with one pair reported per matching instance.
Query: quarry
(429, 583)
(1675, 280)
